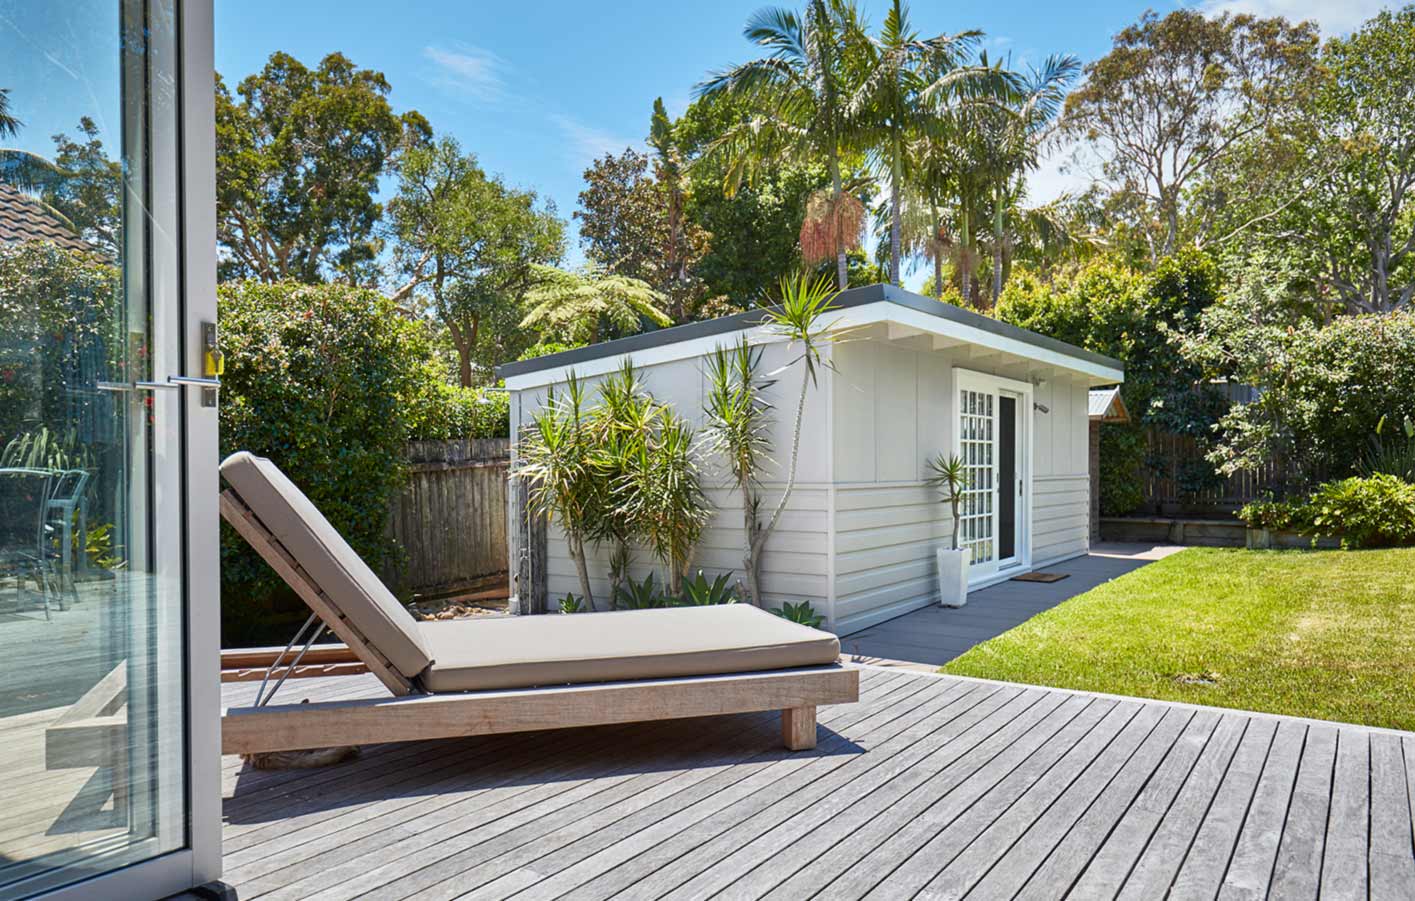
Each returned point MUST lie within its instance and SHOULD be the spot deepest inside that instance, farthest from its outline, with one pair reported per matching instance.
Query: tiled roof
(22, 218)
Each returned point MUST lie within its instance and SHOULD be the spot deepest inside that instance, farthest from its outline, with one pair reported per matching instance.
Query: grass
(1324, 634)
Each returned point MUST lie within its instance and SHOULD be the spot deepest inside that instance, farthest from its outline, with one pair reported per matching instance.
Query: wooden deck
(930, 787)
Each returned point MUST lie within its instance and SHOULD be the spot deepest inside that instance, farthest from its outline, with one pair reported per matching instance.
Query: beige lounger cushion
(526, 651)
(323, 553)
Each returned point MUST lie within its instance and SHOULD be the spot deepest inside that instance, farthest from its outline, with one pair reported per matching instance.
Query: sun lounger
(475, 677)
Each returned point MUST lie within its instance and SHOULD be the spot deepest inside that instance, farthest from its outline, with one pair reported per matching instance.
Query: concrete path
(928, 638)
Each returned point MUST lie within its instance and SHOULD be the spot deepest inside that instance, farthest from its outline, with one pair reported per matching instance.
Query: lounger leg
(798, 728)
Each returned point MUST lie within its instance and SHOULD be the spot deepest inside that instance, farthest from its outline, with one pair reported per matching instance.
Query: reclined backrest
(343, 579)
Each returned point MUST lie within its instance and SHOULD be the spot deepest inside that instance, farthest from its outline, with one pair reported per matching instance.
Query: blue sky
(538, 88)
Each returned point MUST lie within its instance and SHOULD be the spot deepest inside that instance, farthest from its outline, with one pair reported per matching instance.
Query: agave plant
(643, 595)
(802, 613)
(699, 592)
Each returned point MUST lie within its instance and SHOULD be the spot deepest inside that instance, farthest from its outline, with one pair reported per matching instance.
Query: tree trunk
(997, 252)
(759, 544)
(965, 274)
(465, 342)
(896, 165)
(751, 562)
(577, 553)
(938, 273)
(842, 268)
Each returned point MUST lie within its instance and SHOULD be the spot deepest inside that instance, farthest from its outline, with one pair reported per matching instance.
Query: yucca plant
(950, 477)
(661, 493)
(620, 425)
(737, 418)
(554, 458)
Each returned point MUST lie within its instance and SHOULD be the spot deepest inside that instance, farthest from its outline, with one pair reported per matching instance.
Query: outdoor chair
(509, 674)
(24, 496)
(66, 502)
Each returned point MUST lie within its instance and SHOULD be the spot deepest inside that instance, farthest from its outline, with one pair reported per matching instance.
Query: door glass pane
(91, 608)
(975, 431)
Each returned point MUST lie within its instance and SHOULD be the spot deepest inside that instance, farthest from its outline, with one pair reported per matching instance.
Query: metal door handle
(153, 386)
(192, 380)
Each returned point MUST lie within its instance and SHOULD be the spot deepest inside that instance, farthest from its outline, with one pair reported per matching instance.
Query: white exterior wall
(895, 408)
(859, 535)
(795, 564)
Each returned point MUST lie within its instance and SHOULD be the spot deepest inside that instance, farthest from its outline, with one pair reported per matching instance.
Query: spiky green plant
(624, 420)
(802, 613)
(661, 493)
(738, 419)
(555, 459)
(950, 477)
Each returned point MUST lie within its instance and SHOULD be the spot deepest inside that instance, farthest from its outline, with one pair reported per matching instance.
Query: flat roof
(854, 297)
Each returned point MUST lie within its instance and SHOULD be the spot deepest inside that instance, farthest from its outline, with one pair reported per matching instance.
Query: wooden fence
(1180, 481)
(450, 519)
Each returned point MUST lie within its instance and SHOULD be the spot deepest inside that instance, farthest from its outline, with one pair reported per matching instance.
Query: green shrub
(1276, 516)
(1375, 511)
(1323, 389)
(442, 411)
(802, 613)
(321, 379)
(1134, 317)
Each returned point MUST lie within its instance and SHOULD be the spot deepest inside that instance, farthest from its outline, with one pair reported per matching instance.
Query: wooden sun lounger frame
(412, 717)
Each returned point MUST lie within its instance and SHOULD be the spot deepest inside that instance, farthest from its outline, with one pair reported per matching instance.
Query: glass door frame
(193, 210)
(996, 385)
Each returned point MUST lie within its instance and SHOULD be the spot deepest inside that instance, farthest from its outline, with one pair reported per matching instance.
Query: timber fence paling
(450, 516)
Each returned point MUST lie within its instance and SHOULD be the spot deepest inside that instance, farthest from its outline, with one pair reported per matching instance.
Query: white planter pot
(952, 577)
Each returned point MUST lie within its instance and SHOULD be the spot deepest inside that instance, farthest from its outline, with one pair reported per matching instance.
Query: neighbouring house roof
(1106, 405)
(22, 218)
(872, 304)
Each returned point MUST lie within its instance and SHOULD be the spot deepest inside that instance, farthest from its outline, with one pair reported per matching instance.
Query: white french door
(993, 440)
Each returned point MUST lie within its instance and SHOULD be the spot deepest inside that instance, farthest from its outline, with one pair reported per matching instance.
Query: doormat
(1040, 577)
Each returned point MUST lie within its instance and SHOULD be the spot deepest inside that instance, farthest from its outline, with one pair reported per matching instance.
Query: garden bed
(1322, 634)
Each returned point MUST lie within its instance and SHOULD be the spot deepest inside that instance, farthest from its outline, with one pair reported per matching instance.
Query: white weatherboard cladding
(794, 566)
(859, 535)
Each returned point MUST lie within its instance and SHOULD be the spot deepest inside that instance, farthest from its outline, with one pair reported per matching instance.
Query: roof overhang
(1106, 405)
(902, 313)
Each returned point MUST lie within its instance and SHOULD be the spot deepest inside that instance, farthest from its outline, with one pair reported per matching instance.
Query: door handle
(154, 386)
(199, 382)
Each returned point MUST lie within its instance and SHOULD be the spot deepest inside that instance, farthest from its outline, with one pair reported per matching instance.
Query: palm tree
(9, 125)
(22, 169)
(575, 305)
(1012, 141)
(899, 70)
(799, 91)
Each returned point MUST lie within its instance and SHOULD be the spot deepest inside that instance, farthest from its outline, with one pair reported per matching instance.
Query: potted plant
(950, 477)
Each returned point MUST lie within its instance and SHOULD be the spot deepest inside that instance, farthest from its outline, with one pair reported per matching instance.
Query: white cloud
(586, 143)
(1335, 17)
(1058, 174)
(473, 72)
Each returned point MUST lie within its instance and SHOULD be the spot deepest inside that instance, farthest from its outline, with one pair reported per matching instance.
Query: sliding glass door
(93, 536)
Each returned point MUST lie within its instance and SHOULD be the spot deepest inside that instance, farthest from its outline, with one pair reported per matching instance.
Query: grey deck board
(1299, 856)
(1392, 865)
(929, 787)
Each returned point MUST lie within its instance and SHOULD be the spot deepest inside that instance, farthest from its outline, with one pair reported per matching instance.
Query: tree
(1350, 210)
(737, 417)
(465, 243)
(1177, 94)
(299, 153)
(9, 125)
(88, 195)
(575, 307)
(753, 231)
(622, 226)
(799, 92)
(901, 73)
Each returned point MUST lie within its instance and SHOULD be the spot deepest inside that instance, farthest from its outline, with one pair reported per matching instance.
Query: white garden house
(912, 377)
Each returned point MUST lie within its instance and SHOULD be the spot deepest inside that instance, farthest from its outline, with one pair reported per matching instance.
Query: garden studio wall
(795, 565)
(895, 408)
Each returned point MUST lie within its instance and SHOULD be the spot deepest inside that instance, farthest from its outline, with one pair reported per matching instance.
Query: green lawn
(1326, 634)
